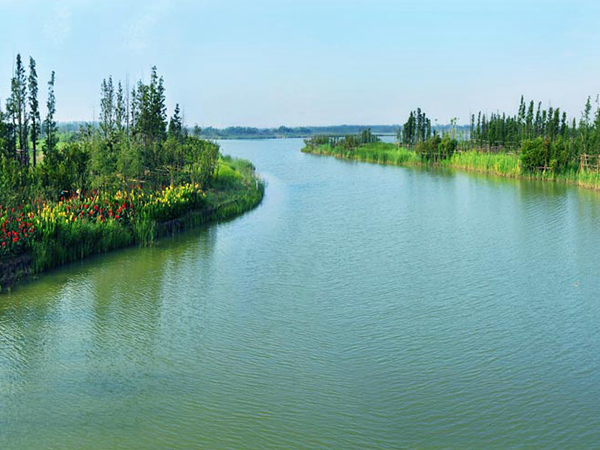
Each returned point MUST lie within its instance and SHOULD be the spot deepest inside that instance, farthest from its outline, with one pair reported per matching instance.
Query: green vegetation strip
(71, 229)
(502, 164)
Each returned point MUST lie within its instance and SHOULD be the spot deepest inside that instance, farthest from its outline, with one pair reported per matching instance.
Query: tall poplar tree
(529, 120)
(176, 125)
(158, 110)
(50, 129)
(150, 113)
(17, 105)
(3, 135)
(521, 117)
(120, 110)
(34, 107)
(107, 108)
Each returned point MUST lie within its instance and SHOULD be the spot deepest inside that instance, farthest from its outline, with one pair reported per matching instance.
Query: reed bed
(502, 164)
(379, 153)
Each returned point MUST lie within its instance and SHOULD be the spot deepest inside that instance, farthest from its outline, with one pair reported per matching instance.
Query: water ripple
(358, 307)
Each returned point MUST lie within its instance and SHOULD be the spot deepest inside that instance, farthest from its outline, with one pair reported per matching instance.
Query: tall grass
(503, 164)
(509, 165)
(588, 179)
(144, 229)
(68, 244)
(379, 153)
(495, 163)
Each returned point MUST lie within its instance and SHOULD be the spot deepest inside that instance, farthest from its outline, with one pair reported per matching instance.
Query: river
(359, 306)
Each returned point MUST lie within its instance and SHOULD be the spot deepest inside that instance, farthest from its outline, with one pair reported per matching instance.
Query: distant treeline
(68, 130)
(347, 143)
(294, 132)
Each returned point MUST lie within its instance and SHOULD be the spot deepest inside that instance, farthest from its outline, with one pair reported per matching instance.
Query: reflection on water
(359, 306)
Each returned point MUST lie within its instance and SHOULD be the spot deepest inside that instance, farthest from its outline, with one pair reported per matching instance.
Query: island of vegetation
(128, 180)
(534, 143)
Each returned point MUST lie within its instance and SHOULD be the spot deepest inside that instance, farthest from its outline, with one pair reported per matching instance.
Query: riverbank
(73, 229)
(501, 164)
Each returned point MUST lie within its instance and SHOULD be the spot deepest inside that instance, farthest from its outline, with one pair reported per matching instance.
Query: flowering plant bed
(35, 238)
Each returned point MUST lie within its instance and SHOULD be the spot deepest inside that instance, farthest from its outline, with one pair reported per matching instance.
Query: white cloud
(58, 27)
(139, 32)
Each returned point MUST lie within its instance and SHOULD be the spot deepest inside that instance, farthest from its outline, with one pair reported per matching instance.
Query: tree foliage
(50, 128)
(131, 145)
(34, 108)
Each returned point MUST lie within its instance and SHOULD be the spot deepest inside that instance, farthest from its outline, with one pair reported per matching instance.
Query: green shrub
(535, 155)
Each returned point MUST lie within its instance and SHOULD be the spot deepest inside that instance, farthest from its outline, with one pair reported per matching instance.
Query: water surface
(360, 306)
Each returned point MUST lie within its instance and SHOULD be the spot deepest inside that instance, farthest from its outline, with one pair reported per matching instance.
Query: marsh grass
(69, 244)
(379, 153)
(501, 164)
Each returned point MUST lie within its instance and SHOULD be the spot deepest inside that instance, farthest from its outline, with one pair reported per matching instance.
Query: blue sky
(306, 62)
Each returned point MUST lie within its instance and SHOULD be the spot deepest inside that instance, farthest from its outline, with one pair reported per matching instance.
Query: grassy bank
(502, 164)
(36, 238)
(379, 153)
